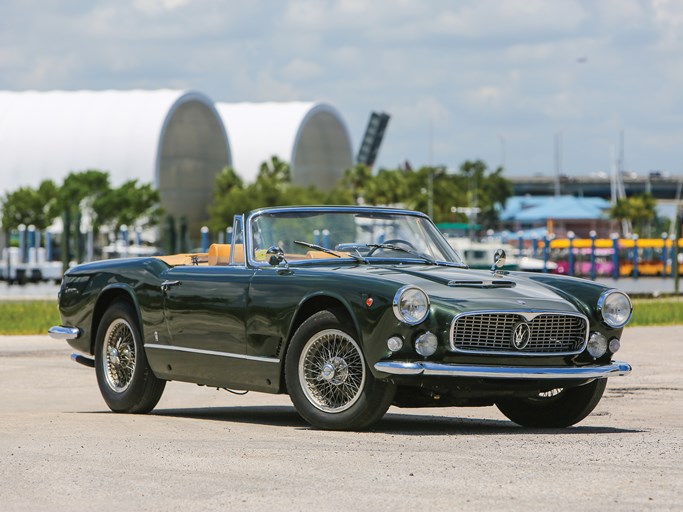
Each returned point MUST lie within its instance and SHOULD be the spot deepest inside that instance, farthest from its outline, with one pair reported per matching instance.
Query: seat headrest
(219, 254)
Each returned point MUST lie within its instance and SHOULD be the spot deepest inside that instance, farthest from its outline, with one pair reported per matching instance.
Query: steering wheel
(392, 241)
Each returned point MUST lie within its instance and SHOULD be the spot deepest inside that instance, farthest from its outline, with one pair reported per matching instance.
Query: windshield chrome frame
(251, 216)
(238, 220)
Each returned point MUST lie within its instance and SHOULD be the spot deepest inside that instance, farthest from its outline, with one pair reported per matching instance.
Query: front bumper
(426, 368)
(60, 332)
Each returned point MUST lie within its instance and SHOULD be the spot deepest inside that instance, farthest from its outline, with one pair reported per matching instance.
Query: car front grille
(519, 333)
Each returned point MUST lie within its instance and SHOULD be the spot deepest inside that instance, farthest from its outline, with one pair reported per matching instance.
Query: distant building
(557, 215)
(311, 137)
(176, 140)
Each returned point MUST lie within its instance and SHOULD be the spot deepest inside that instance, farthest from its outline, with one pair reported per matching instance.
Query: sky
(496, 80)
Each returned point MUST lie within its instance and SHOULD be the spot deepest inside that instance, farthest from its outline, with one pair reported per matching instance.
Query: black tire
(125, 379)
(556, 409)
(328, 379)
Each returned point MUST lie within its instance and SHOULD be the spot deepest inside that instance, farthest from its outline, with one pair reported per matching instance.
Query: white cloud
(300, 69)
(472, 68)
(155, 6)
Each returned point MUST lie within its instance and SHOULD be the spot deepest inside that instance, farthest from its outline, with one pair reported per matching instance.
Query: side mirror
(275, 255)
(498, 260)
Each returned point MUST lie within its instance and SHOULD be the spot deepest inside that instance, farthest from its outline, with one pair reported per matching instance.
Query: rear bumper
(59, 332)
(429, 369)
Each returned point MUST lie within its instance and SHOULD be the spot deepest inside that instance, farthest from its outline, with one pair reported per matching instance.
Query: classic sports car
(348, 310)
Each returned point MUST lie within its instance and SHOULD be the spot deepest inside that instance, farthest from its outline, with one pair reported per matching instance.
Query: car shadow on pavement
(277, 415)
(419, 424)
(392, 423)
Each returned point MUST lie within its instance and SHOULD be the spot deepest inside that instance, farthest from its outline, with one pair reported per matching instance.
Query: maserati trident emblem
(521, 335)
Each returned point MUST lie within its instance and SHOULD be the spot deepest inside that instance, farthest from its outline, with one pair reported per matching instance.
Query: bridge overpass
(660, 186)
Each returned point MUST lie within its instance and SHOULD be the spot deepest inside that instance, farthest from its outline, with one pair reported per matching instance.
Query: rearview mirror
(498, 260)
(275, 255)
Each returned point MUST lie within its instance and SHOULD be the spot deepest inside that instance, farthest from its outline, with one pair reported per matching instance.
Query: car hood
(469, 289)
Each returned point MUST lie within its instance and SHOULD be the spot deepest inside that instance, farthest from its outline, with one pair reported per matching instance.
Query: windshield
(306, 235)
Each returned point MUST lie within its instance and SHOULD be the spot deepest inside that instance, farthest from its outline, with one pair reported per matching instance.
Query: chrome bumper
(426, 368)
(59, 332)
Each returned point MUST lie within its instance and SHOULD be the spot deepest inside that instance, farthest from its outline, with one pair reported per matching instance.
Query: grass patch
(28, 316)
(657, 312)
(37, 316)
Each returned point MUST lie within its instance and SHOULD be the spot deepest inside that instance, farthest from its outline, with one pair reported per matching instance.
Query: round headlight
(615, 308)
(426, 344)
(395, 343)
(597, 345)
(614, 345)
(411, 305)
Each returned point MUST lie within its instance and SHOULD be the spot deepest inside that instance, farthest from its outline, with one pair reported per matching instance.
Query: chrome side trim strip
(615, 368)
(212, 353)
(528, 315)
(59, 332)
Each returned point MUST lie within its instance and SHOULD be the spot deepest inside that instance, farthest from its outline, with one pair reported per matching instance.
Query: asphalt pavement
(201, 449)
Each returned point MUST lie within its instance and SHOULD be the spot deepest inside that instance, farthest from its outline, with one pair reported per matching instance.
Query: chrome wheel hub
(335, 371)
(332, 371)
(114, 356)
(119, 355)
(327, 372)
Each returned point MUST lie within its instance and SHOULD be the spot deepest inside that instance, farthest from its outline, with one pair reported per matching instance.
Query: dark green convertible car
(348, 310)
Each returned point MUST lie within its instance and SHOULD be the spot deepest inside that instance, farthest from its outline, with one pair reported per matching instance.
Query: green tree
(229, 199)
(272, 187)
(30, 206)
(128, 204)
(639, 210)
(80, 192)
(387, 187)
(273, 181)
(472, 185)
(90, 192)
(353, 185)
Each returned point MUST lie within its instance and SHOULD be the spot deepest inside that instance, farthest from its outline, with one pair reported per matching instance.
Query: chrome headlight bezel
(398, 311)
(603, 303)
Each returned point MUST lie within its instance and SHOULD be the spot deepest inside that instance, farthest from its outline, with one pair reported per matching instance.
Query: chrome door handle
(167, 284)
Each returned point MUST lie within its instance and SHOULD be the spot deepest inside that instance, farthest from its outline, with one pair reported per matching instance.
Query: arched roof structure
(177, 140)
(312, 137)
(174, 139)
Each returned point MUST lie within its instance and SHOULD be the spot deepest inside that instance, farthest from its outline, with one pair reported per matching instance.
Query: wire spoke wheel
(119, 355)
(124, 376)
(332, 371)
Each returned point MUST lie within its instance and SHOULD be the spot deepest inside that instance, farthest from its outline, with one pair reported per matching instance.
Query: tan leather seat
(219, 254)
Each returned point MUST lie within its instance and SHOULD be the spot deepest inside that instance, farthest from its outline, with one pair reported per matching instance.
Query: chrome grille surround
(490, 332)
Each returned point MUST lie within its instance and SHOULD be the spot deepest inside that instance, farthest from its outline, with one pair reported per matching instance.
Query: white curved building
(312, 137)
(174, 139)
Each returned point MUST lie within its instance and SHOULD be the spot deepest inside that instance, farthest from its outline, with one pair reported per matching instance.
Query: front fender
(109, 294)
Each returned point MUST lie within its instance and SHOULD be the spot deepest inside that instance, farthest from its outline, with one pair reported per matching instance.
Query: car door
(204, 308)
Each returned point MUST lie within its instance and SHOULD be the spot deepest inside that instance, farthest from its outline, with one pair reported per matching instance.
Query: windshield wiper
(393, 247)
(328, 251)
